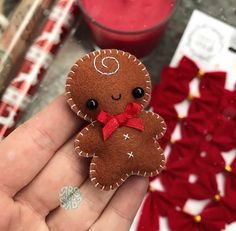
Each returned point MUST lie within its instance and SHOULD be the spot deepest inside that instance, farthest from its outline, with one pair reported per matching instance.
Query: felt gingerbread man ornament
(110, 89)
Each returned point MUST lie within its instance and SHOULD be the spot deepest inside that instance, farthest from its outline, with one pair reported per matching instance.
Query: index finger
(124, 205)
(27, 150)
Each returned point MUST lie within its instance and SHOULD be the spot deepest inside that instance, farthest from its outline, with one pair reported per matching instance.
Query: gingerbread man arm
(153, 124)
(89, 140)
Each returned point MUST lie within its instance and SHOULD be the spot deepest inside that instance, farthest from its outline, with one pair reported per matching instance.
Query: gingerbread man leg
(106, 176)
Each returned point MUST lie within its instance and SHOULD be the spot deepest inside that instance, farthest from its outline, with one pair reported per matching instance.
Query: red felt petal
(184, 73)
(181, 192)
(227, 106)
(160, 98)
(205, 187)
(149, 217)
(214, 218)
(224, 136)
(233, 167)
(179, 220)
(175, 92)
(168, 74)
(208, 104)
(180, 149)
(210, 159)
(156, 96)
(230, 193)
(194, 124)
(164, 202)
(213, 83)
(188, 66)
(228, 201)
(176, 170)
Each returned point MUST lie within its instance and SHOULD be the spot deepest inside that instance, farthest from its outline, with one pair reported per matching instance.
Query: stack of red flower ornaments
(208, 131)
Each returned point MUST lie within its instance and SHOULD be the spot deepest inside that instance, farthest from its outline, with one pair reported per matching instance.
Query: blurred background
(41, 39)
(79, 43)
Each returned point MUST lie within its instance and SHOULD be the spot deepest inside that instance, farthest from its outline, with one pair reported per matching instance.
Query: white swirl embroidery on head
(104, 65)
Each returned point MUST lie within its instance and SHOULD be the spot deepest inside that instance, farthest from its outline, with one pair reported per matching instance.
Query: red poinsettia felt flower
(205, 187)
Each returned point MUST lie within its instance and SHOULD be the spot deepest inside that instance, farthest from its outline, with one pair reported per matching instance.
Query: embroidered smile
(116, 98)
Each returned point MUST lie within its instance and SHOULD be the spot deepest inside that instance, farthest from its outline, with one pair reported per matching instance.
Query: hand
(37, 160)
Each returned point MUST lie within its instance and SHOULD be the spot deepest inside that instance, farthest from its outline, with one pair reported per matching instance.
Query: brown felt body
(127, 151)
(111, 164)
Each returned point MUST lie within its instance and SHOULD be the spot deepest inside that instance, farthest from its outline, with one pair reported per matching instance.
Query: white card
(211, 44)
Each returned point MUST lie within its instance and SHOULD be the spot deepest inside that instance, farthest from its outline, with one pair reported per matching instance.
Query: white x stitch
(130, 154)
(126, 136)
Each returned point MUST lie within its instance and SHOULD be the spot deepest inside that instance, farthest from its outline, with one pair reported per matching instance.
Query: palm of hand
(37, 160)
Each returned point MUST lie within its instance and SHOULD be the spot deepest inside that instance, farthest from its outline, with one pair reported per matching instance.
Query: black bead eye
(92, 104)
(138, 92)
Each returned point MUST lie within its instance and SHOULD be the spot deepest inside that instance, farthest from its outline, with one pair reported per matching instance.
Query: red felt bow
(186, 71)
(127, 118)
(205, 187)
(212, 219)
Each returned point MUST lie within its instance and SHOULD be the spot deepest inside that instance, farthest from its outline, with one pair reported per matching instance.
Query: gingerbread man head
(107, 80)
(111, 88)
